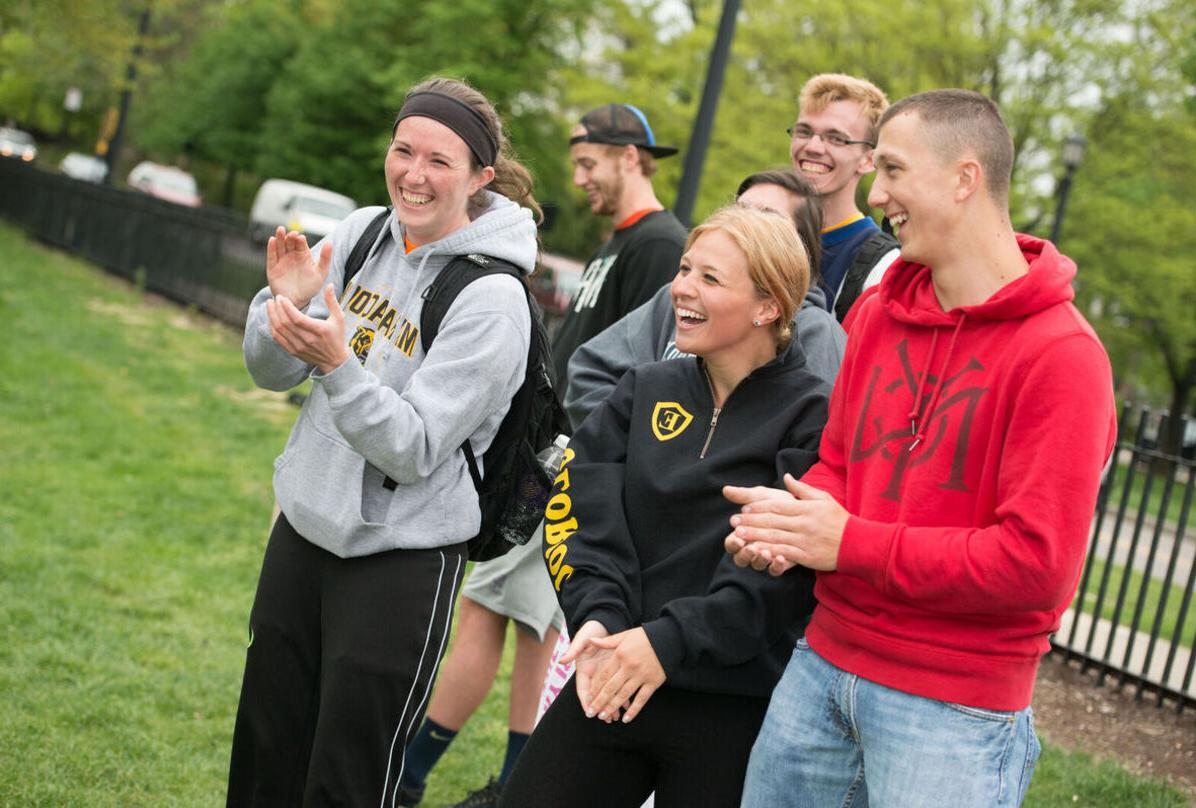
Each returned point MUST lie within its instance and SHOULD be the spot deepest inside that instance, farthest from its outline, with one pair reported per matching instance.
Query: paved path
(1122, 638)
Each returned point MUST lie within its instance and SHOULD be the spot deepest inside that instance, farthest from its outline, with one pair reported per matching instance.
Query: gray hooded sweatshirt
(648, 334)
(390, 410)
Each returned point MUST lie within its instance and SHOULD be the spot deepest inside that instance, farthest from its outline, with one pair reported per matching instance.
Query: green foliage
(47, 46)
(329, 115)
(1131, 227)
(1031, 57)
(213, 105)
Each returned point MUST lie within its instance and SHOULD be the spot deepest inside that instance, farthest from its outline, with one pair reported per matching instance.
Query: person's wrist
(333, 364)
(301, 303)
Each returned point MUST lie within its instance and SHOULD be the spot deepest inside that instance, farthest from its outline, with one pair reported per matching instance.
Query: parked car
(165, 182)
(86, 167)
(297, 206)
(553, 285)
(15, 143)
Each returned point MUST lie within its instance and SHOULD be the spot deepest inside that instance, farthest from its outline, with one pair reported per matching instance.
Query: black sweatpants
(341, 660)
(690, 748)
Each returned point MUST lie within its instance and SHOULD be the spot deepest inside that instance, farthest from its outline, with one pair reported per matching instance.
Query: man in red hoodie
(948, 514)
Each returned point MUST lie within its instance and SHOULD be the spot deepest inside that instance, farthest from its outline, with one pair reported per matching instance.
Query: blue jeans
(833, 739)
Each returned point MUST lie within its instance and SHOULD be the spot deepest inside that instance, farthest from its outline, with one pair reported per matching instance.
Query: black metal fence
(1132, 618)
(196, 256)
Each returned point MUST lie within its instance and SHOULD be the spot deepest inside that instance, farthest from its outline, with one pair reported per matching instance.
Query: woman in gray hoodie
(355, 597)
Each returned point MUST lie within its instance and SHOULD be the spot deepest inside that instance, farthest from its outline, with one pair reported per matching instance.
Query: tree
(1032, 58)
(1132, 228)
(49, 45)
(212, 104)
(329, 113)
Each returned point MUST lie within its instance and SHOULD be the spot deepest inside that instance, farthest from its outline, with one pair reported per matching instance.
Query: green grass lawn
(1075, 779)
(135, 461)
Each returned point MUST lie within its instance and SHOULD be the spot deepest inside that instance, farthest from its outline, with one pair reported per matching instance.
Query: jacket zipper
(710, 434)
(713, 418)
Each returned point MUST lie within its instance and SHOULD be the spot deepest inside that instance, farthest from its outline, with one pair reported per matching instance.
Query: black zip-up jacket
(635, 528)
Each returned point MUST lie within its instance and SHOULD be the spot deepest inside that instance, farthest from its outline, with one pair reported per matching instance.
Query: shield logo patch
(669, 419)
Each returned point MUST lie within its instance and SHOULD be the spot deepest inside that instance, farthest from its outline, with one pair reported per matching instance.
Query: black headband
(463, 119)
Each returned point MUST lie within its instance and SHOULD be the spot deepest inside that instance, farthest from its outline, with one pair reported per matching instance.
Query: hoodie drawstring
(916, 430)
(913, 408)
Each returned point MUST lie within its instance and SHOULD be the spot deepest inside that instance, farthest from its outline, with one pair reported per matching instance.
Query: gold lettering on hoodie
(559, 525)
(371, 307)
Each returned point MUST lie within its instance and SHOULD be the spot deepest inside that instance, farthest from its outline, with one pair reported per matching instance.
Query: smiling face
(715, 301)
(597, 171)
(430, 178)
(915, 188)
(831, 169)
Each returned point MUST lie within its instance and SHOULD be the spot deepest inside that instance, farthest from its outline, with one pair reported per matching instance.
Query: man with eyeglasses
(831, 145)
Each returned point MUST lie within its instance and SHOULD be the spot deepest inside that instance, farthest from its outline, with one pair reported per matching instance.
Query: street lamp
(1073, 155)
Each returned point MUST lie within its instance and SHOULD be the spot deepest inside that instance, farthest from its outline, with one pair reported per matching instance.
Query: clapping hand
(776, 530)
(290, 270)
(316, 342)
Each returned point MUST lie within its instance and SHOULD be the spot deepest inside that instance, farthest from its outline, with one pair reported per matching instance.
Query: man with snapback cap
(613, 151)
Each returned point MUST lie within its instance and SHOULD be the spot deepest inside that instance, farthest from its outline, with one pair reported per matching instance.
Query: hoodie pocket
(316, 416)
(318, 478)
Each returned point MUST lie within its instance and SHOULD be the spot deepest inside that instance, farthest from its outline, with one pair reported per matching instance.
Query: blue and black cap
(620, 125)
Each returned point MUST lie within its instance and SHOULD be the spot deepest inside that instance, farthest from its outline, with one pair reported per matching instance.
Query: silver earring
(757, 323)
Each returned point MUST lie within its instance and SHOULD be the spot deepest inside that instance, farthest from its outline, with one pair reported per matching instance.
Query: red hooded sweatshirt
(967, 446)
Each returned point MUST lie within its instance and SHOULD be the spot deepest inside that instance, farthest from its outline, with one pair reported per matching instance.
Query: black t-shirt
(624, 273)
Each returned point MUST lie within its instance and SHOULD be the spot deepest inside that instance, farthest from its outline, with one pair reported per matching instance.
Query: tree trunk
(1171, 439)
(230, 179)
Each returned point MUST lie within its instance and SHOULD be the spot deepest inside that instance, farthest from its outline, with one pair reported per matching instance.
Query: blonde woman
(677, 649)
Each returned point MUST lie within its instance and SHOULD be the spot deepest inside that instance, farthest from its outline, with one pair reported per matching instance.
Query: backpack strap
(439, 297)
(866, 256)
(362, 248)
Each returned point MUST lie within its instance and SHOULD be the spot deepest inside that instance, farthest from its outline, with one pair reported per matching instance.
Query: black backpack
(514, 491)
(865, 258)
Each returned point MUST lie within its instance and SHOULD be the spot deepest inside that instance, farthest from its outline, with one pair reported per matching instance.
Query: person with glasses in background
(831, 145)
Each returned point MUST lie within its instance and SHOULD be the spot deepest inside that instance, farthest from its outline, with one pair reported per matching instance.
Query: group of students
(796, 569)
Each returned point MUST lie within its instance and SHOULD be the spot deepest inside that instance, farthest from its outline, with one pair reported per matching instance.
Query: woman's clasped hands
(614, 672)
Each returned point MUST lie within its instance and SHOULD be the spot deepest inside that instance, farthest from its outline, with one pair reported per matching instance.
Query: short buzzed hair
(962, 120)
(827, 88)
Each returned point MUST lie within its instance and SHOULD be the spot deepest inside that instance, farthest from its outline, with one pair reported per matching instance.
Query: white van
(296, 206)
